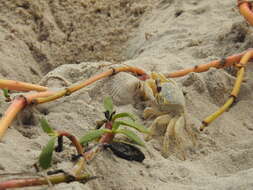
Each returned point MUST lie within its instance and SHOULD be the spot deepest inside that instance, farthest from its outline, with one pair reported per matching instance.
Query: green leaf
(47, 128)
(134, 125)
(131, 135)
(92, 135)
(45, 158)
(115, 126)
(124, 114)
(6, 93)
(108, 104)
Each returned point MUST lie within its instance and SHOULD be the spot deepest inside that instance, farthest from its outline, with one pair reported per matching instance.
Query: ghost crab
(167, 104)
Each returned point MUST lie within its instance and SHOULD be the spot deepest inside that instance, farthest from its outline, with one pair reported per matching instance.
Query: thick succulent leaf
(47, 128)
(115, 126)
(92, 135)
(108, 104)
(134, 125)
(131, 135)
(45, 158)
(124, 114)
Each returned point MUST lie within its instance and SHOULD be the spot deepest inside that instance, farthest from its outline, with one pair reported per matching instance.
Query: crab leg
(161, 121)
(180, 135)
(168, 137)
(150, 112)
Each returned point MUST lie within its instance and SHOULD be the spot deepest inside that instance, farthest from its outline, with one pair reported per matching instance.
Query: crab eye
(158, 86)
(159, 89)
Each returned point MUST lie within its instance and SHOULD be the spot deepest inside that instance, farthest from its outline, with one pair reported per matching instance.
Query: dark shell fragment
(126, 151)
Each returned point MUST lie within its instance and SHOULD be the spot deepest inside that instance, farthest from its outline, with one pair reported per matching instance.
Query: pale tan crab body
(168, 106)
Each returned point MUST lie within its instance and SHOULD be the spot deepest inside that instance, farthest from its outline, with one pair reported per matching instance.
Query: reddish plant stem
(17, 183)
(74, 141)
(106, 138)
(16, 106)
(229, 61)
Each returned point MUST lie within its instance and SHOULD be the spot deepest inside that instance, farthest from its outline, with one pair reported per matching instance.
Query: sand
(72, 39)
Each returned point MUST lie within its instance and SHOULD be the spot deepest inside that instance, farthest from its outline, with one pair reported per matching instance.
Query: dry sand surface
(71, 39)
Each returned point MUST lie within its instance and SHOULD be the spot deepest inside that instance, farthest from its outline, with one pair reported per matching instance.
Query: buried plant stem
(77, 169)
(74, 141)
(54, 179)
(246, 57)
(20, 86)
(76, 87)
(16, 106)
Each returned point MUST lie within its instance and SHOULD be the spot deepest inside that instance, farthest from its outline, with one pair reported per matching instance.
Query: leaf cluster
(111, 116)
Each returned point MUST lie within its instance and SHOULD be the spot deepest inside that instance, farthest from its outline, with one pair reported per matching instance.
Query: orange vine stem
(16, 106)
(229, 61)
(20, 86)
(245, 10)
(246, 57)
(74, 141)
(75, 87)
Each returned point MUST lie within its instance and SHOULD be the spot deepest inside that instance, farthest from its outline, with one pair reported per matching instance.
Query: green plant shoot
(6, 94)
(47, 128)
(45, 157)
(108, 105)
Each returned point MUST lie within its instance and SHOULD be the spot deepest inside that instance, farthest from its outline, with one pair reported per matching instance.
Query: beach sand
(72, 39)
